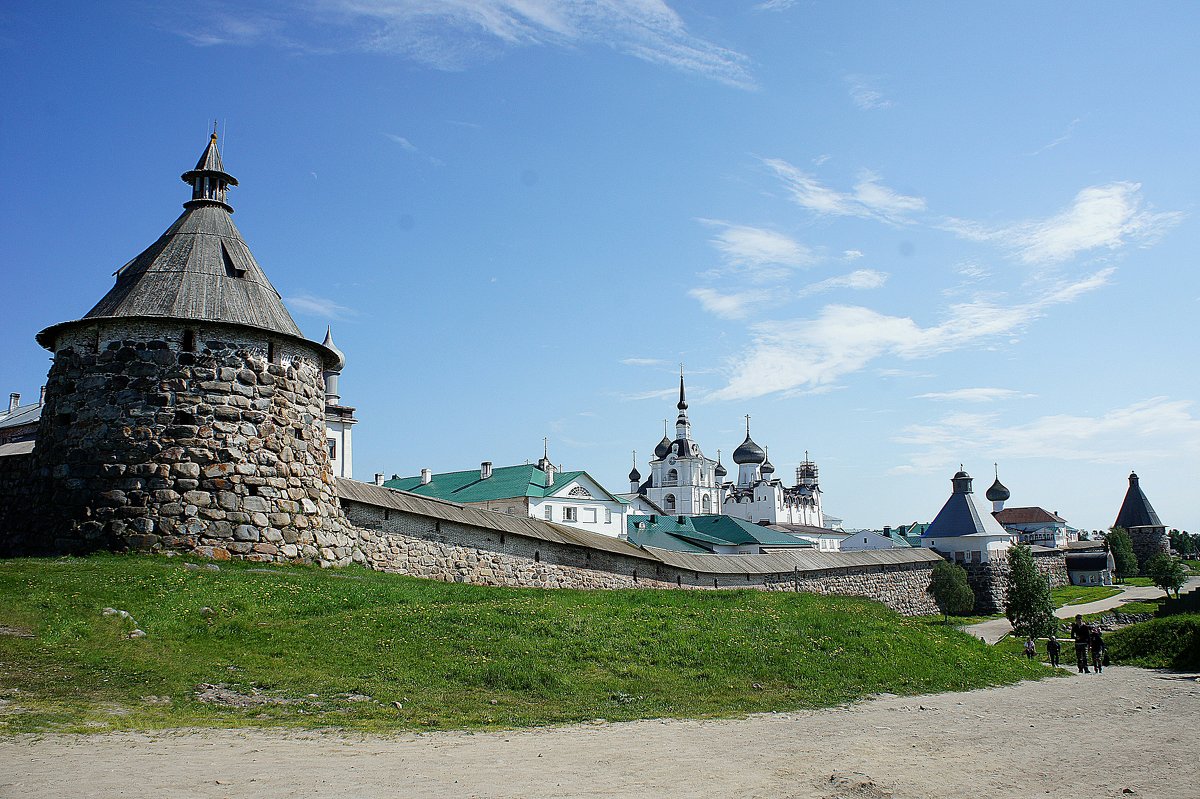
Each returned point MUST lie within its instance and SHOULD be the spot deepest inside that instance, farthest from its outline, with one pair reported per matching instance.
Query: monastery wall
(18, 497)
(989, 581)
(209, 438)
(453, 549)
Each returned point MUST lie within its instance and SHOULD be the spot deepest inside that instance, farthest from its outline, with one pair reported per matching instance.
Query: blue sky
(900, 236)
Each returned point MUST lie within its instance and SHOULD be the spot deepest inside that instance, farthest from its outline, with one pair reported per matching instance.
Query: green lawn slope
(364, 650)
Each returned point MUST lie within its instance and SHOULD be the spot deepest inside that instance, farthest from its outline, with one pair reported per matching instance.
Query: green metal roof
(691, 533)
(506, 482)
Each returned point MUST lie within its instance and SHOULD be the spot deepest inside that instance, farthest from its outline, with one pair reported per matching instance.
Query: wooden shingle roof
(200, 269)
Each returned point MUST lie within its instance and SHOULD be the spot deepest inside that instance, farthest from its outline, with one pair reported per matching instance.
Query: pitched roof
(1089, 561)
(1028, 516)
(702, 533)
(199, 269)
(24, 414)
(960, 516)
(1136, 510)
(506, 482)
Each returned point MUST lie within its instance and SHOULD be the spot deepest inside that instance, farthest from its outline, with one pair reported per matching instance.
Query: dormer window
(231, 269)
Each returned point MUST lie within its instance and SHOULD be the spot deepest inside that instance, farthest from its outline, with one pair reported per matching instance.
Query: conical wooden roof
(200, 269)
(1136, 510)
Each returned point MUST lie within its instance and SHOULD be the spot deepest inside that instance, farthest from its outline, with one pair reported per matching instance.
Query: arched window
(669, 502)
(705, 504)
(673, 477)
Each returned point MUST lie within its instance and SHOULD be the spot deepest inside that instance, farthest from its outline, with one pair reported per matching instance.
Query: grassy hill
(301, 646)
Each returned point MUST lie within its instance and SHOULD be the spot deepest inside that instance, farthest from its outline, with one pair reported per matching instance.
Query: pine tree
(1027, 601)
(950, 589)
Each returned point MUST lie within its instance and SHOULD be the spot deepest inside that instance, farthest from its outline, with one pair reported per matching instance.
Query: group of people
(1088, 640)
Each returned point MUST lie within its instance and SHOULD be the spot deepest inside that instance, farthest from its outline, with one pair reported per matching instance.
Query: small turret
(998, 494)
(635, 477)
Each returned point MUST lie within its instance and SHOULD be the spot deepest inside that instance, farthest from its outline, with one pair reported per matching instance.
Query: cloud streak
(1104, 217)
(1147, 430)
(456, 34)
(869, 199)
(805, 353)
(319, 306)
(973, 395)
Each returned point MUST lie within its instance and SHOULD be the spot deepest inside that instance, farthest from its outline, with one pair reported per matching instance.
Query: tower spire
(209, 180)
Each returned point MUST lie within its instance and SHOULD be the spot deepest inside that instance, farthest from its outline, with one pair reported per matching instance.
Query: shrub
(950, 589)
(1027, 601)
(1168, 643)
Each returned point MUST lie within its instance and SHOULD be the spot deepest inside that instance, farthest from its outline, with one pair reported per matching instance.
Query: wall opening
(189, 341)
(537, 556)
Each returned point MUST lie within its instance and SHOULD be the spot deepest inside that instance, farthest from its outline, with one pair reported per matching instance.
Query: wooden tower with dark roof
(1146, 532)
(186, 410)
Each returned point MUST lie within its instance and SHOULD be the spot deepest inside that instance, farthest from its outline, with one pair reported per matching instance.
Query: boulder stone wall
(210, 438)
(422, 546)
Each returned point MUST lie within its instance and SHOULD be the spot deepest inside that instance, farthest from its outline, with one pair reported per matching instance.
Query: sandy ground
(1124, 733)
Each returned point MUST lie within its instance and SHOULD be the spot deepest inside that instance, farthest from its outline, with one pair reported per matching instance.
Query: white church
(683, 482)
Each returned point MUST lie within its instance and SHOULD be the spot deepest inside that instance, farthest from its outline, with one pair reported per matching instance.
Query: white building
(964, 533)
(683, 482)
(543, 491)
(338, 418)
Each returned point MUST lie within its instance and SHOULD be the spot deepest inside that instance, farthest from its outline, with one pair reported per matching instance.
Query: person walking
(1081, 634)
(1096, 643)
(1052, 649)
(1030, 648)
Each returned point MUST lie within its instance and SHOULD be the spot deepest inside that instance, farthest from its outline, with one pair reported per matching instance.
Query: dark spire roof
(748, 451)
(664, 447)
(682, 404)
(998, 492)
(634, 475)
(1136, 510)
(720, 470)
(960, 516)
(340, 363)
(199, 269)
(767, 467)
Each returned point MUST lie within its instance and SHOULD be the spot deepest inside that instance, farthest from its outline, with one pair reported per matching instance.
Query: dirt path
(1087, 735)
(993, 630)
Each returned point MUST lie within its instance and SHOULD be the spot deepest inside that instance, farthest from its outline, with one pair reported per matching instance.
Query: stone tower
(186, 410)
(1146, 532)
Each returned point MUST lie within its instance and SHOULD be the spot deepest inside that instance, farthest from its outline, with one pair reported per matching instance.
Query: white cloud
(454, 34)
(775, 5)
(409, 147)
(852, 255)
(743, 245)
(804, 353)
(870, 199)
(1101, 217)
(736, 305)
(865, 95)
(643, 362)
(664, 393)
(973, 395)
(1147, 430)
(319, 306)
(858, 279)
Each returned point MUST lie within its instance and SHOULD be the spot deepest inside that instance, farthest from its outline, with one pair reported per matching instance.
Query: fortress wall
(18, 498)
(220, 450)
(440, 549)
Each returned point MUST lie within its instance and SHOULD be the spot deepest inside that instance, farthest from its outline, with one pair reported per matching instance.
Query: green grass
(1080, 594)
(454, 656)
(1144, 582)
(1167, 643)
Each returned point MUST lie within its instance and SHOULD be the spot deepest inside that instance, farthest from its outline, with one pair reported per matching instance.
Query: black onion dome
(767, 468)
(720, 470)
(663, 449)
(748, 452)
(998, 492)
(634, 475)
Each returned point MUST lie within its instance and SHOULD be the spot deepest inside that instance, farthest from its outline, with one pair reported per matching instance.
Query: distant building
(1037, 526)
(573, 498)
(20, 422)
(683, 481)
(822, 538)
(1091, 568)
(1148, 534)
(339, 418)
(861, 540)
(964, 533)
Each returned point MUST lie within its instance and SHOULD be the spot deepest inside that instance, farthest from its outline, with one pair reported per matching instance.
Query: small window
(570, 514)
(607, 516)
(272, 352)
(332, 442)
(231, 269)
(548, 513)
(669, 503)
(189, 341)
